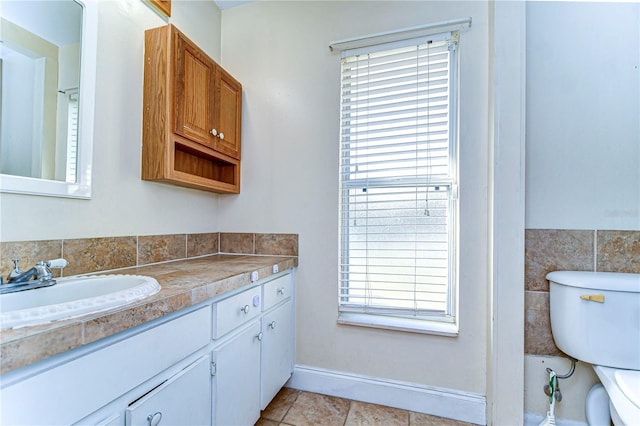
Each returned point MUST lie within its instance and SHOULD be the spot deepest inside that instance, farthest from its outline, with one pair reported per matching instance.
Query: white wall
(583, 104)
(122, 203)
(583, 142)
(279, 51)
(17, 120)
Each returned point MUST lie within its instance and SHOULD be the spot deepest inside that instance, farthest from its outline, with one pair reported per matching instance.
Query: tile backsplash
(548, 250)
(90, 255)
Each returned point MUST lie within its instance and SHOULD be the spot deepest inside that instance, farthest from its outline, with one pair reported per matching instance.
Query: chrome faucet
(38, 276)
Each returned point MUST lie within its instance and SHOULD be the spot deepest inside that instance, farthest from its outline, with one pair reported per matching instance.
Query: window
(72, 136)
(398, 192)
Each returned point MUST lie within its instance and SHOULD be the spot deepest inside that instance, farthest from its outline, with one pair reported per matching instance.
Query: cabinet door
(277, 351)
(237, 379)
(229, 114)
(184, 399)
(194, 86)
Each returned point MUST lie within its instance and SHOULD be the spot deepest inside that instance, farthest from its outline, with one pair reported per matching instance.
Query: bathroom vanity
(218, 360)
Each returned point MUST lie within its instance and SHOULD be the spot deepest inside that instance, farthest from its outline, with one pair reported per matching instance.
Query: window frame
(441, 324)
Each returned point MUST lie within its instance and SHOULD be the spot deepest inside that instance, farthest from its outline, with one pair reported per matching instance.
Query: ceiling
(56, 21)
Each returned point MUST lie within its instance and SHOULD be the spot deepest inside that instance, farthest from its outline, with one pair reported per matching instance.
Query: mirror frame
(82, 187)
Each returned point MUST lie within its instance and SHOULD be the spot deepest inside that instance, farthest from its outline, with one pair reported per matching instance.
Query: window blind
(397, 179)
(72, 138)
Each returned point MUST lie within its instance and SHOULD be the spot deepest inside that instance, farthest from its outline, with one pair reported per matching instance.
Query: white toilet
(595, 318)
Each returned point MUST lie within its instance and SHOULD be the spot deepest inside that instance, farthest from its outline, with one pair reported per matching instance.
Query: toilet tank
(595, 316)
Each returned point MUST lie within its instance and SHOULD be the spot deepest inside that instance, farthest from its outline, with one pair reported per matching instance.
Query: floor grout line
(290, 407)
(408, 421)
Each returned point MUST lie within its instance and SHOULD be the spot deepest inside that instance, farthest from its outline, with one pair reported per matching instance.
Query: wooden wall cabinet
(192, 116)
(163, 6)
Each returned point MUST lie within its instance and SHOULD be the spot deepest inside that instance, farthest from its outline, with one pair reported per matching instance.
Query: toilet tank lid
(613, 281)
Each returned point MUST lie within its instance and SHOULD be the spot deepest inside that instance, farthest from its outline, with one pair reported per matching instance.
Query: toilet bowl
(595, 318)
(597, 406)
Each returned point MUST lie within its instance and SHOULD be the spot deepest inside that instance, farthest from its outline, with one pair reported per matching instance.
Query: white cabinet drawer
(235, 311)
(277, 290)
(184, 399)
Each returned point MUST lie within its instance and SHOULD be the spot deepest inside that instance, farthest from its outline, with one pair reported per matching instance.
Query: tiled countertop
(184, 283)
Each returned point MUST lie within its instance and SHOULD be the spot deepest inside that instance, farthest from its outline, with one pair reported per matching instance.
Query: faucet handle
(43, 273)
(56, 263)
(16, 269)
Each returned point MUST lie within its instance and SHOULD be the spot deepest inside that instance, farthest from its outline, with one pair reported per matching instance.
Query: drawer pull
(245, 309)
(259, 336)
(154, 419)
(593, 297)
(281, 291)
(272, 325)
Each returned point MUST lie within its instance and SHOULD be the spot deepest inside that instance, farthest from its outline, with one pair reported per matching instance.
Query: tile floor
(296, 408)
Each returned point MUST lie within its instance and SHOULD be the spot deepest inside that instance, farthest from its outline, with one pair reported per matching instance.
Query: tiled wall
(89, 255)
(548, 250)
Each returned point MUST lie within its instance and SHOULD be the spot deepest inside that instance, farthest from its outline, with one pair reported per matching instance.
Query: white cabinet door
(237, 379)
(184, 399)
(277, 351)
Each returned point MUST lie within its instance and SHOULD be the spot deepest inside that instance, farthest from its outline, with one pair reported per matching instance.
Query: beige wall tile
(277, 244)
(618, 251)
(161, 248)
(548, 250)
(236, 242)
(202, 244)
(538, 339)
(90, 255)
(29, 253)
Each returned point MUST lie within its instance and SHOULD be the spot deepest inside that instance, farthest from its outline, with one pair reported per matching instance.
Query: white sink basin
(72, 297)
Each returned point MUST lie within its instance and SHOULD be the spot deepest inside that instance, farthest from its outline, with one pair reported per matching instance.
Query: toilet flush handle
(593, 297)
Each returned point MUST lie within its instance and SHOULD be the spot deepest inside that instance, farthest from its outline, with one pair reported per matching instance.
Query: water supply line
(569, 374)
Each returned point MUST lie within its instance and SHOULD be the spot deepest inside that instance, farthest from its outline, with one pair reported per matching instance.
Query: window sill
(399, 324)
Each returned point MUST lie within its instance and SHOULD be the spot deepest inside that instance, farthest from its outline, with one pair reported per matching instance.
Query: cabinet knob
(272, 325)
(280, 291)
(221, 135)
(259, 336)
(214, 132)
(154, 419)
(245, 309)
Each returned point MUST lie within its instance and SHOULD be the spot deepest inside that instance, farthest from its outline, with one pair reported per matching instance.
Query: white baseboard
(449, 403)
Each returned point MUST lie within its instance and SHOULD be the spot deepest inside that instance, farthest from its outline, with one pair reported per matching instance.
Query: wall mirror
(47, 96)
